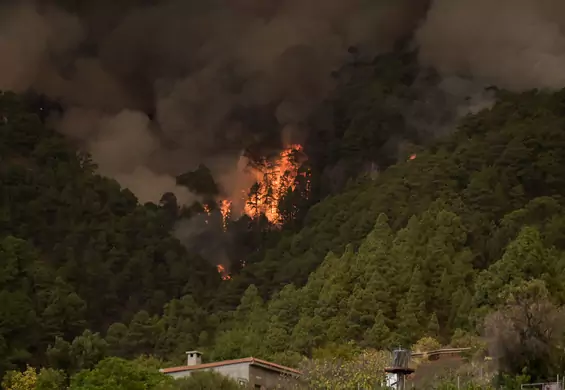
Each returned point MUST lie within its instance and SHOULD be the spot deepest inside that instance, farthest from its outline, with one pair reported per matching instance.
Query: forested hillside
(497, 162)
(401, 212)
(427, 248)
(77, 251)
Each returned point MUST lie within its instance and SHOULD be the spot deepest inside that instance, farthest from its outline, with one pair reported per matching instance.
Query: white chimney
(193, 358)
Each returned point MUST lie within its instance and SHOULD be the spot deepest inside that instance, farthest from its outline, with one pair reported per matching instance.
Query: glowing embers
(225, 209)
(222, 271)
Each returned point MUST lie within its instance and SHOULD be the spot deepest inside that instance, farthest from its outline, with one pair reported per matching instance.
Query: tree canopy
(464, 240)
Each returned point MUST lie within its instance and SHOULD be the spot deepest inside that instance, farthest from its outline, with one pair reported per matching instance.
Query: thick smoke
(514, 44)
(122, 146)
(153, 90)
(200, 234)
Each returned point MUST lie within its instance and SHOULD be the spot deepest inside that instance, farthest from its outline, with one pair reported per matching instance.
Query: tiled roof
(250, 360)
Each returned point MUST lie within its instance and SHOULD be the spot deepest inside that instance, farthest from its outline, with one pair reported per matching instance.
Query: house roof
(250, 360)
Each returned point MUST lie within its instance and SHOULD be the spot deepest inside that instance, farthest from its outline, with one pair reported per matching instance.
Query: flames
(222, 271)
(274, 179)
(207, 211)
(225, 209)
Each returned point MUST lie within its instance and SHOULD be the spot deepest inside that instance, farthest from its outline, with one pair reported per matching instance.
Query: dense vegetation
(115, 374)
(429, 246)
(77, 251)
(466, 239)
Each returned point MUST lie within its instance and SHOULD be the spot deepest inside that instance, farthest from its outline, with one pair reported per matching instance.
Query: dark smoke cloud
(153, 90)
(514, 44)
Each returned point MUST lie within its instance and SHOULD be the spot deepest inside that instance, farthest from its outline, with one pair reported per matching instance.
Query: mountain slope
(77, 250)
(426, 248)
(497, 161)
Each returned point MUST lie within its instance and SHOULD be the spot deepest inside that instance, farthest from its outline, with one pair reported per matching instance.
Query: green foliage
(428, 248)
(366, 370)
(49, 379)
(344, 352)
(77, 252)
(498, 161)
(46, 379)
(26, 380)
(354, 297)
(453, 385)
(142, 373)
(426, 344)
(202, 381)
(118, 374)
(84, 352)
(453, 231)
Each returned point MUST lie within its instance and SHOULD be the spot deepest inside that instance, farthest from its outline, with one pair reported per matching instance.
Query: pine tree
(411, 310)
(378, 336)
(433, 326)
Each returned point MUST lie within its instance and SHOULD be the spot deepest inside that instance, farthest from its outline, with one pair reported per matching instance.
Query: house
(251, 372)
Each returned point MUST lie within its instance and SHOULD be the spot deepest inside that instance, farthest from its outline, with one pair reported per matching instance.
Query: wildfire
(225, 209)
(207, 211)
(412, 157)
(222, 271)
(273, 181)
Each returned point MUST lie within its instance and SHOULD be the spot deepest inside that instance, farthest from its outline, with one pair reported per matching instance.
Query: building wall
(252, 375)
(268, 378)
(235, 371)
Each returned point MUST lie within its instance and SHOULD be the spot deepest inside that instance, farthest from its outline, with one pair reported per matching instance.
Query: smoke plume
(153, 88)
(514, 44)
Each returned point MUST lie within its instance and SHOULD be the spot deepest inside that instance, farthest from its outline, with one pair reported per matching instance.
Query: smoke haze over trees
(153, 88)
(429, 188)
(216, 78)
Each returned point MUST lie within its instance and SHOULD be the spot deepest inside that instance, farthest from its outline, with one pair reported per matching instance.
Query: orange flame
(225, 209)
(412, 157)
(273, 181)
(222, 271)
(207, 211)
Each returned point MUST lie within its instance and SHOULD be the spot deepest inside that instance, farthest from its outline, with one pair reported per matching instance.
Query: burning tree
(222, 271)
(275, 180)
(225, 209)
